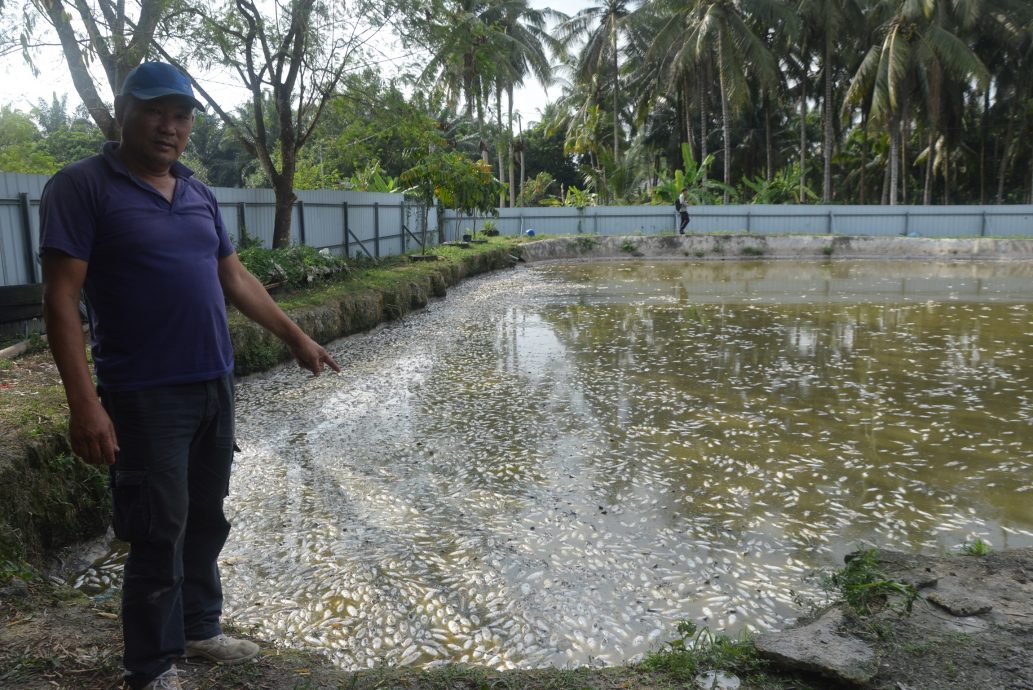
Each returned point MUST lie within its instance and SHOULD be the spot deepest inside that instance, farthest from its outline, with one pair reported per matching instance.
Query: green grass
(697, 650)
(976, 547)
(865, 589)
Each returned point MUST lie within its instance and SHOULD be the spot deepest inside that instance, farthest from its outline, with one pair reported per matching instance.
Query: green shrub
(292, 266)
(863, 586)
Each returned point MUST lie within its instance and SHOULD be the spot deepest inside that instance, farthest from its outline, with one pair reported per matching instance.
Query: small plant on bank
(863, 586)
(697, 650)
(700, 253)
(752, 251)
(490, 228)
(584, 243)
(976, 547)
(629, 247)
(827, 250)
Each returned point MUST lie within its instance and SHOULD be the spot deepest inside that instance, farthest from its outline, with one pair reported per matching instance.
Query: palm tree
(525, 45)
(601, 27)
(826, 25)
(719, 30)
(462, 38)
(915, 49)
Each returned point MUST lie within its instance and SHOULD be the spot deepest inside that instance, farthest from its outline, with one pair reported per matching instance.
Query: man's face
(155, 132)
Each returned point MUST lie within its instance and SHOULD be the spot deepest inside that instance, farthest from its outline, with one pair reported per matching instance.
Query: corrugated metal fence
(925, 221)
(348, 223)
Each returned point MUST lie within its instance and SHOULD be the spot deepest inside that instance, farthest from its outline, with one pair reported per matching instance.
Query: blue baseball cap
(150, 80)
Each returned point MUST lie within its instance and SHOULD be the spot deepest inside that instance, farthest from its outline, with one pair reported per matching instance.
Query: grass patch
(697, 650)
(976, 547)
(584, 243)
(865, 589)
(629, 247)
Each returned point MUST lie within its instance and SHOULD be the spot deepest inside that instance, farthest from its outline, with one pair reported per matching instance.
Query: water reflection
(555, 465)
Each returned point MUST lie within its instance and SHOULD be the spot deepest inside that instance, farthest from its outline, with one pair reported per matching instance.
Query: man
(146, 243)
(682, 206)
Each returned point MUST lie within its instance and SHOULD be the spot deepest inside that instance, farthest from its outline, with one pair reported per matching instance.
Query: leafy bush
(697, 649)
(292, 266)
(863, 586)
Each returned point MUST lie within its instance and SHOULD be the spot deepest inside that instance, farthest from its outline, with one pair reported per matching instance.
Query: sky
(22, 91)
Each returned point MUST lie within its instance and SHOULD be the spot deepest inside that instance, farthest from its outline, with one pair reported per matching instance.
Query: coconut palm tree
(462, 37)
(720, 31)
(525, 46)
(601, 27)
(915, 48)
(827, 25)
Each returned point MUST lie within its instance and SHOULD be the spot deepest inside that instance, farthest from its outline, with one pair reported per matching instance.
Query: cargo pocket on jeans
(130, 499)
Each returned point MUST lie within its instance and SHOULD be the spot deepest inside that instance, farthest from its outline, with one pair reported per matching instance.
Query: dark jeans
(168, 485)
(684, 217)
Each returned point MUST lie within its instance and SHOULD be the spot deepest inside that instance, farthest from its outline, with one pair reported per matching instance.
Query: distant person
(681, 205)
(144, 240)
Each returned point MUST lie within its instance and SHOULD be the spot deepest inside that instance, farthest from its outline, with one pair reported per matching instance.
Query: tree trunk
(285, 198)
(1005, 158)
(726, 117)
(703, 134)
(803, 143)
(886, 174)
(687, 111)
(946, 170)
(523, 145)
(509, 139)
(81, 79)
(826, 180)
(616, 94)
(982, 145)
(864, 158)
(927, 189)
(769, 145)
(894, 161)
(905, 135)
(498, 142)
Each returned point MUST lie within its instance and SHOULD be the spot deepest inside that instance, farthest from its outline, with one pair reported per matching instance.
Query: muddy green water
(555, 465)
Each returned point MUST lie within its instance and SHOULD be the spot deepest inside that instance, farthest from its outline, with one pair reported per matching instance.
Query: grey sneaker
(222, 649)
(166, 681)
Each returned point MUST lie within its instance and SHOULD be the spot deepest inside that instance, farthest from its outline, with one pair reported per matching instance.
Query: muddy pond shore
(322, 315)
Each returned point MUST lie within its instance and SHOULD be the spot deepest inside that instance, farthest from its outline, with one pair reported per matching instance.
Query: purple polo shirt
(157, 309)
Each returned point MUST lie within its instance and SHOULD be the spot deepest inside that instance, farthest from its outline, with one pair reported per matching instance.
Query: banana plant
(694, 177)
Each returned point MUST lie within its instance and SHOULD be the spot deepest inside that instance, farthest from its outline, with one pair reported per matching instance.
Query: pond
(556, 465)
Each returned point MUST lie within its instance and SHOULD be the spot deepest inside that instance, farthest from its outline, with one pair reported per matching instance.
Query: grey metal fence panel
(385, 224)
(380, 224)
(19, 227)
(928, 221)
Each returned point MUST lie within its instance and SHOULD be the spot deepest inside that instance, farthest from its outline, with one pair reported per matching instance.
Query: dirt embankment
(727, 247)
(971, 628)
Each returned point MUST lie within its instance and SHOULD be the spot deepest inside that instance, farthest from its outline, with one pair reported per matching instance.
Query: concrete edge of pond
(727, 247)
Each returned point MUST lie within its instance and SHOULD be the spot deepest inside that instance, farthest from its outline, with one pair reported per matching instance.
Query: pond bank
(970, 628)
(728, 247)
(259, 673)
